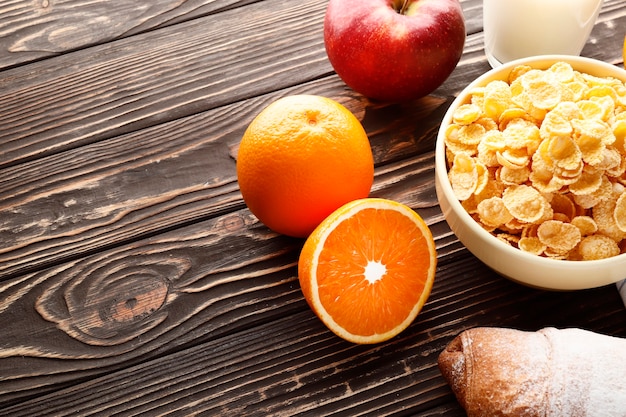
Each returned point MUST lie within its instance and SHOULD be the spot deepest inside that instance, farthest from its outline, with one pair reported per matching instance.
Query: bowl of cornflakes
(530, 171)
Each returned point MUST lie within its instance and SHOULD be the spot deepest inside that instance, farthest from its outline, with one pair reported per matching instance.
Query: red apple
(394, 50)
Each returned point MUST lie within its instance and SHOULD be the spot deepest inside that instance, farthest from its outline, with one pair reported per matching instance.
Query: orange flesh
(389, 238)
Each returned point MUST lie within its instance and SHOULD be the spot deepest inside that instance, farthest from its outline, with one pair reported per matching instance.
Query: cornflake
(493, 212)
(598, 247)
(526, 204)
(539, 161)
(559, 236)
(463, 176)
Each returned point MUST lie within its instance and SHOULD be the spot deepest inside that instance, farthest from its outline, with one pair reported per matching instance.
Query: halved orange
(368, 269)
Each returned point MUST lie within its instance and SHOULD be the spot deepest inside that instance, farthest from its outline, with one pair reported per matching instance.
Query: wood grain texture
(133, 280)
(112, 307)
(35, 29)
(306, 369)
(119, 305)
(211, 279)
(145, 80)
(131, 185)
(160, 75)
(176, 173)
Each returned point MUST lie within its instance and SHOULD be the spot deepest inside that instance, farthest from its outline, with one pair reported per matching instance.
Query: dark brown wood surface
(134, 281)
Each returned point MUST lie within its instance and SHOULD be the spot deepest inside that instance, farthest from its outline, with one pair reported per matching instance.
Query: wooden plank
(140, 81)
(473, 13)
(138, 300)
(606, 32)
(34, 30)
(118, 306)
(106, 193)
(98, 196)
(148, 79)
(304, 367)
(196, 285)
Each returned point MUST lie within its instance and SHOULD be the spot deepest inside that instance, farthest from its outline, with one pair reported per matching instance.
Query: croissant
(548, 373)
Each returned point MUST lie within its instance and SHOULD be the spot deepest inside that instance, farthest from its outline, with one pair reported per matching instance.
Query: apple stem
(401, 9)
(405, 3)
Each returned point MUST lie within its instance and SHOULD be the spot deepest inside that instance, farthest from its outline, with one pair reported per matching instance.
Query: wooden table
(134, 281)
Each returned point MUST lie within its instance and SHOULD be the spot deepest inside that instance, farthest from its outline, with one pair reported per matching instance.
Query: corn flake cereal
(539, 160)
(598, 247)
(559, 236)
(467, 114)
(532, 245)
(493, 212)
(619, 213)
(511, 176)
(497, 98)
(586, 224)
(463, 176)
(563, 204)
(526, 204)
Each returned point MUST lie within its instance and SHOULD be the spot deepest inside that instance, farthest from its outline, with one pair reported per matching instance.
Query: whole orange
(300, 159)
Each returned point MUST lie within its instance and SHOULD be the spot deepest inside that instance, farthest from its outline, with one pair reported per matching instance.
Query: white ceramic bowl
(510, 262)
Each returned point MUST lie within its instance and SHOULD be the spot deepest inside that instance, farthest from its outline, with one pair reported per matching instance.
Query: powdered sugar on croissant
(549, 373)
